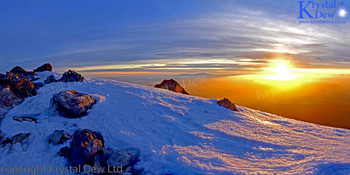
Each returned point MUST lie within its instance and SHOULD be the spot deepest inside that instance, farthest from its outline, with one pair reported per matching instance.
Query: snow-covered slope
(179, 134)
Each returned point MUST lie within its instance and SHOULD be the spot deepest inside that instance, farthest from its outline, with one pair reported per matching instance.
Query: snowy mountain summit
(172, 133)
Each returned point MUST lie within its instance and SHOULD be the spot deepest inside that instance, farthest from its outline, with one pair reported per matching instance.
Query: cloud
(232, 31)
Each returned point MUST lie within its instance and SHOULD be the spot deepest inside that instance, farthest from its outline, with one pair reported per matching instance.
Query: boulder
(20, 86)
(171, 85)
(8, 98)
(104, 154)
(38, 85)
(85, 145)
(20, 138)
(50, 79)
(71, 76)
(63, 151)
(72, 104)
(23, 88)
(18, 70)
(227, 104)
(21, 72)
(124, 158)
(58, 137)
(43, 68)
(100, 159)
(87, 148)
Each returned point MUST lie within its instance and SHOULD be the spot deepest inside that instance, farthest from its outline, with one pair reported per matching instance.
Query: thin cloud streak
(219, 39)
(223, 36)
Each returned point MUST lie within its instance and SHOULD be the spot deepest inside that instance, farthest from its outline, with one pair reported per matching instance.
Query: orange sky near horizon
(323, 101)
(317, 95)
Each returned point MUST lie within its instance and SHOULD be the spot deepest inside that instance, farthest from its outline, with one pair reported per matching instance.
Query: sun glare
(280, 70)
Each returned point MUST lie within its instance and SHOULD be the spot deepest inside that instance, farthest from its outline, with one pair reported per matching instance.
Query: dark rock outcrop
(38, 85)
(2, 76)
(8, 98)
(72, 104)
(20, 82)
(50, 79)
(171, 85)
(87, 148)
(5, 141)
(20, 138)
(21, 72)
(100, 159)
(227, 104)
(16, 85)
(43, 68)
(63, 151)
(18, 70)
(19, 85)
(58, 137)
(71, 76)
(123, 158)
(85, 145)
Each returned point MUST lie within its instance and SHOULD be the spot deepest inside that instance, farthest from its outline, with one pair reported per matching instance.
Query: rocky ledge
(171, 85)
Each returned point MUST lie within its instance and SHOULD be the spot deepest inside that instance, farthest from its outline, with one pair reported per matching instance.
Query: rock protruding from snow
(50, 79)
(58, 137)
(63, 151)
(100, 160)
(123, 158)
(85, 145)
(171, 85)
(8, 98)
(25, 119)
(71, 76)
(44, 67)
(20, 138)
(20, 85)
(227, 104)
(20, 71)
(5, 141)
(38, 85)
(72, 104)
(87, 148)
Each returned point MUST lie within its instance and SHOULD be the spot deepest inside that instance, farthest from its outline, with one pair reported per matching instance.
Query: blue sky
(166, 36)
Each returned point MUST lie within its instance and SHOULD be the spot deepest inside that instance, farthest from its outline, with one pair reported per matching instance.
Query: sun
(280, 70)
(342, 13)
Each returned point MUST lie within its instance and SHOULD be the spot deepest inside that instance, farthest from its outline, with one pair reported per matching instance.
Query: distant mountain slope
(178, 134)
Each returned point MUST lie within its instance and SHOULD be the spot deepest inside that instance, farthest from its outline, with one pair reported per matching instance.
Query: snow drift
(176, 133)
